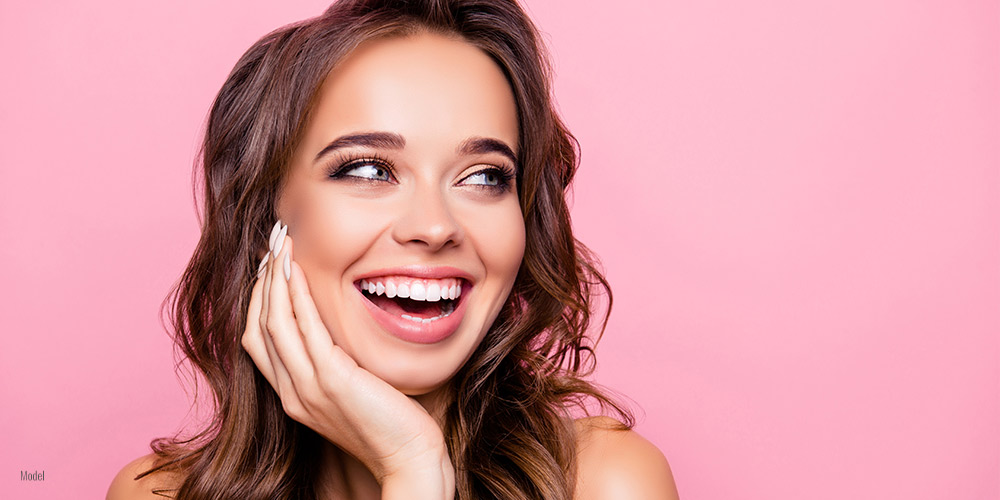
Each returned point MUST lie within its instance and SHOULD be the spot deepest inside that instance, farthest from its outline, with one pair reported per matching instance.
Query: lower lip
(419, 333)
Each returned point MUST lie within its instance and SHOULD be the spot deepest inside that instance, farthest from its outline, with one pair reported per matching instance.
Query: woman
(412, 326)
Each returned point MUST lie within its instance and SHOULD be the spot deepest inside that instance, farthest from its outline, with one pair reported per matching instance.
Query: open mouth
(416, 301)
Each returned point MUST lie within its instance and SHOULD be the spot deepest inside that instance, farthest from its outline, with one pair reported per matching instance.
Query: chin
(414, 374)
(418, 391)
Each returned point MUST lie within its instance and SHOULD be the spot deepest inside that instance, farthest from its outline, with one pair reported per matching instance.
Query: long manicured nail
(263, 265)
(280, 240)
(274, 235)
(287, 267)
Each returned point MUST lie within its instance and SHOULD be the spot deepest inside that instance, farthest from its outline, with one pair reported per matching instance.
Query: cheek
(501, 242)
(332, 231)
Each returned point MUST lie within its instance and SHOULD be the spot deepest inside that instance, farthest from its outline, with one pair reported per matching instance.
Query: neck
(436, 403)
(345, 477)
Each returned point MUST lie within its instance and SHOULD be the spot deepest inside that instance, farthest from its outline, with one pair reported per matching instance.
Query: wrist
(419, 455)
(430, 478)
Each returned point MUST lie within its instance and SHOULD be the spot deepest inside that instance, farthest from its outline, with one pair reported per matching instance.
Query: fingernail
(287, 267)
(280, 241)
(263, 263)
(274, 235)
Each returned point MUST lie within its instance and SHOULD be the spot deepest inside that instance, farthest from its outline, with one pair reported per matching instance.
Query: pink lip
(417, 271)
(411, 331)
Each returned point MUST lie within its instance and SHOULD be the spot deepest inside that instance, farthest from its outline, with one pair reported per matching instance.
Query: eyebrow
(389, 140)
(483, 145)
(379, 140)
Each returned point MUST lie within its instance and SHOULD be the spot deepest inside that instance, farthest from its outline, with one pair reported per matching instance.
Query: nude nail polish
(274, 235)
(287, 267)
(280, 240)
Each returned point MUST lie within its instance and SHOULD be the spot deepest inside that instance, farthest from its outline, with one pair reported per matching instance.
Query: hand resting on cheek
(321, 387)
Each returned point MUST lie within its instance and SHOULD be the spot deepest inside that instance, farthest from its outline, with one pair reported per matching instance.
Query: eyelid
(489, 167)
(485, 163)
(507, 178)
(345, 162)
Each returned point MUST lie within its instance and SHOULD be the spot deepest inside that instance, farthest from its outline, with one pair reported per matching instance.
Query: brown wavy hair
(507, 427)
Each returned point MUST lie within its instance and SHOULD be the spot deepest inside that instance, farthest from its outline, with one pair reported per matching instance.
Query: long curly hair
(508, 427)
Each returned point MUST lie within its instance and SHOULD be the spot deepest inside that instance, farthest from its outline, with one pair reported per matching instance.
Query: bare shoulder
(619, 464)
(126, 487)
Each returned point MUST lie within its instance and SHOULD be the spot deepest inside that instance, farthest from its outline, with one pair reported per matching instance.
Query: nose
(427, 220)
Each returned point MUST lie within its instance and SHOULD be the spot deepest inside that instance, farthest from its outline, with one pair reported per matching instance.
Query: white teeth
(429, 290)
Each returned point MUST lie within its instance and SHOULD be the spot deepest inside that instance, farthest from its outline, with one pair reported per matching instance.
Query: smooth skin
(423, 201)
(375, 398)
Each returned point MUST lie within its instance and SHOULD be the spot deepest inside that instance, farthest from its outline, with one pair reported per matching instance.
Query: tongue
(415, 308)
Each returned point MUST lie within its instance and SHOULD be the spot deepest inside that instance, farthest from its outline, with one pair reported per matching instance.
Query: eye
(371, 171)
(487, 177)
(494, 179)
(364, 168)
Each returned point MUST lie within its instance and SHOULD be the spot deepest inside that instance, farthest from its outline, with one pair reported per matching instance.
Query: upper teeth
(429, 290)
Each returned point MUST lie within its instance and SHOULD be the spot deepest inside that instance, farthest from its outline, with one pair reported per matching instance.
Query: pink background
(797, 204)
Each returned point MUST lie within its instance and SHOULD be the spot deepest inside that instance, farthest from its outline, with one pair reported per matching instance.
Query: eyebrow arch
(389, 140)
(378, 140)
(483, 145)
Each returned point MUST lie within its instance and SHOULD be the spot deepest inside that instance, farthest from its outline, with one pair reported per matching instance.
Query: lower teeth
(446, 311)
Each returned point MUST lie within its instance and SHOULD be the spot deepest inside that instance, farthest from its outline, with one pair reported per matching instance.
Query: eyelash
(347, 162)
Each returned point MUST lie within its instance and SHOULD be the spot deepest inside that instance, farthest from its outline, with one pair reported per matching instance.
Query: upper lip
(418, 271)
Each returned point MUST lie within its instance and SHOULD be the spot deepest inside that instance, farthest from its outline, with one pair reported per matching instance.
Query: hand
(322, 387)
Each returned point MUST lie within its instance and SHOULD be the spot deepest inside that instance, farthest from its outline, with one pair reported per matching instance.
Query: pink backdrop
(797, 204)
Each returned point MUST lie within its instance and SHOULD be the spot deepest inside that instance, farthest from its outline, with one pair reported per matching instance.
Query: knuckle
(343, 360)
(293, 409)
(308, 399)
(330, 391)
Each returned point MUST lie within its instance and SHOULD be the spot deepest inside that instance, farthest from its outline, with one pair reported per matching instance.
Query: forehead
(432, 89)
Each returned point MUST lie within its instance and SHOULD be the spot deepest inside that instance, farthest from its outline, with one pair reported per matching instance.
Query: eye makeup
(498, 177)
(345, 163)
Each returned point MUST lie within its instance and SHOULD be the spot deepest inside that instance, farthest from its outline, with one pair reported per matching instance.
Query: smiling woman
(401, 179)
(413, 324)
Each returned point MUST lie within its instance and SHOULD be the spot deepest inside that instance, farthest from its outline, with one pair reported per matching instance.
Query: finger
(282, 380)
(318, 342)
(253, 338)
(281, 322)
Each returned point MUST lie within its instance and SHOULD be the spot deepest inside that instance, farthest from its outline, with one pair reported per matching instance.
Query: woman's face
(404, 182)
